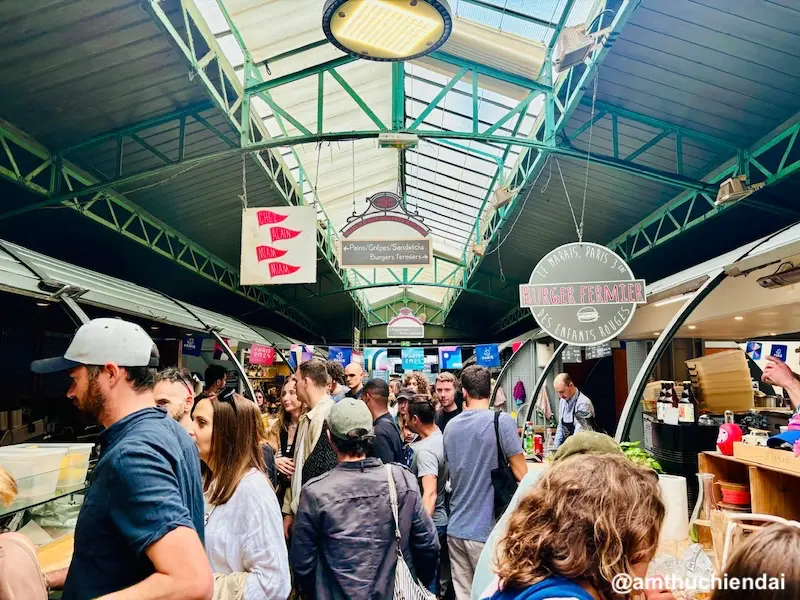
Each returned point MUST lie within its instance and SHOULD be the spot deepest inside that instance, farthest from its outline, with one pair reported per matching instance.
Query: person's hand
(288, 523)
(285, 466)
(778, 373)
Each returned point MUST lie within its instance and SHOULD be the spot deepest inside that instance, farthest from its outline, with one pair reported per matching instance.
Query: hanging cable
(243, 195)
(588, 157)
(354, 177)
(316, 179)
(569, 201)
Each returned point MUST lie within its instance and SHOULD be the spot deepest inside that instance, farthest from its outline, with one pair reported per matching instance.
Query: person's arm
(424, 541)
(429, 493)
(182, 571)
(778, 373)
(148, 511)
(427, 470)
(560, 428)
(381, 448)
(512, 446)
(55, 579)
(303, 554)
(263, 551)
(518, 466)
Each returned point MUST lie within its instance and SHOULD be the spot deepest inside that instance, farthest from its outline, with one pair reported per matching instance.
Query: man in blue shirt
(471, 452)
(572, 401)
(139, 533)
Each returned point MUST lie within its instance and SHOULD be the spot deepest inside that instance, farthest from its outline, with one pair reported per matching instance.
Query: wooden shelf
(773, 490)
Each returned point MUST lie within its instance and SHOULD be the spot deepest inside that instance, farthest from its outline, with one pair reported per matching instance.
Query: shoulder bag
(503, 480)
(406, 586)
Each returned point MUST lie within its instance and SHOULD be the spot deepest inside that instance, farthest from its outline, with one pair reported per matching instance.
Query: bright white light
(738, 318)
(692, 326)
(673, 299)
(389, 26)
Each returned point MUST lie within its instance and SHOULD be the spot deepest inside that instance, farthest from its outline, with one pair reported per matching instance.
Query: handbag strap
(393, 500)
(501, 456)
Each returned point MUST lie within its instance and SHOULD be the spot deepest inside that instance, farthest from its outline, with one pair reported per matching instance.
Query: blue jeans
(442, 579)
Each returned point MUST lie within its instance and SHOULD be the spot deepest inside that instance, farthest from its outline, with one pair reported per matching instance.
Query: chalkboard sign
(571, 355)
(599, 351)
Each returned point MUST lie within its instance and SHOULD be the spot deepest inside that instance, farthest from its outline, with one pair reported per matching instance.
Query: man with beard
(174, 392)
(139, 534)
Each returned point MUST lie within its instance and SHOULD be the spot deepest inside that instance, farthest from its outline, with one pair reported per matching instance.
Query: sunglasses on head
(228, 395)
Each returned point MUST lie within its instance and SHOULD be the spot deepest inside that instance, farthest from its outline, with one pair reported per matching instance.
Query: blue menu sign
(413, 358)
(487, 355)
(779, 351)
(192, 345)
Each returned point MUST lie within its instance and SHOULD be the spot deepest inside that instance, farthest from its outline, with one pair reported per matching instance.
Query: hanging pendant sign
(385, 235)
(405, 325)
(279, 245)
(582, 294)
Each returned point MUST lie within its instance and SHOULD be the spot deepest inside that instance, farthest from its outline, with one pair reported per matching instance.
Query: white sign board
(405, 325)
(279, 245)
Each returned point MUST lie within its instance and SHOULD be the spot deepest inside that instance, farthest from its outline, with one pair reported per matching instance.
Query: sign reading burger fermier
(582, 294)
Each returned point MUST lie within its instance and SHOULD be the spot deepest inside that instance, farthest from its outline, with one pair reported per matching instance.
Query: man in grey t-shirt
(470, 449)
(430, 468)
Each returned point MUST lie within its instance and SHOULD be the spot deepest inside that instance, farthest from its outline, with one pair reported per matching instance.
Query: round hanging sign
(582, 294)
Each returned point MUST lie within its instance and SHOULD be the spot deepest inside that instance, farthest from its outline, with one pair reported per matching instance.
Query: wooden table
(57, 554)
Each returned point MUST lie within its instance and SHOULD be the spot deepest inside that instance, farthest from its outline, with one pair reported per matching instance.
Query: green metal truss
(200, 50)
(769, 163)
(34, 168)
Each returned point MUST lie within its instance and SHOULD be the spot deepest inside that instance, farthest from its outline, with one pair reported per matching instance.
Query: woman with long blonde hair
(284, 432)
(589, 520)
(244, 525)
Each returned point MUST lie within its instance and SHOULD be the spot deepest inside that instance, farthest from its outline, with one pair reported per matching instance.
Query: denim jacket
(344, 544)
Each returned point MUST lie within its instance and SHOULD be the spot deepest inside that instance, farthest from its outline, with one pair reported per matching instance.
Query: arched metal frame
(637, 389)
(545, 372)
(506, 367)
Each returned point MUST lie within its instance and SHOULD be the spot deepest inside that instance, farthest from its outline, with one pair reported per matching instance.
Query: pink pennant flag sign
(269, 253)
(283, 233)
(279, 245)
(262, 355)
(268, 217)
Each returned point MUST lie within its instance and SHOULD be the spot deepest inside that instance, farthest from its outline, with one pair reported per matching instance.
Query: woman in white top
(244, 526)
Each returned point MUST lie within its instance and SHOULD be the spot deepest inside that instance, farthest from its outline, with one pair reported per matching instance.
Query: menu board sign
(582, 294)
(599, 351)
(571, 355)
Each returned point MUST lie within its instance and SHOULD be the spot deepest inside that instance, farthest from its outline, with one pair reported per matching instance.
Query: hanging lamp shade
(387, 30)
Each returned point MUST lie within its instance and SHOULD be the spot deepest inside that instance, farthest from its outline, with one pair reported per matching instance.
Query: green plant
(640, 456)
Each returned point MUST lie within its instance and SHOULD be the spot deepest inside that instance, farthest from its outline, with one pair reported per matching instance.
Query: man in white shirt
(572, 401)
(312, 391)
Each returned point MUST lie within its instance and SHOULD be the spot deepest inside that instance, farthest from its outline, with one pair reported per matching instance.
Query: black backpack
(322, 458)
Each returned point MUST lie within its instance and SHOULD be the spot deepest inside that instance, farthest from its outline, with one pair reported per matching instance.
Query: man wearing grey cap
(344, 545)
(139, 533)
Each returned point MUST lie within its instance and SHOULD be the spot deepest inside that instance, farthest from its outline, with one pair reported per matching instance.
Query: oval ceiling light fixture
(387, 30)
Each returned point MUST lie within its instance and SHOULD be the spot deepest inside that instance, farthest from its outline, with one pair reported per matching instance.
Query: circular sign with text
(582, 294)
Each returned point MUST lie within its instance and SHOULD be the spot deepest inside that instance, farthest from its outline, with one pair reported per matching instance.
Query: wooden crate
(779, 460)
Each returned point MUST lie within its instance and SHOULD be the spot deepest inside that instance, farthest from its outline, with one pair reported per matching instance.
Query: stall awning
(118, 295)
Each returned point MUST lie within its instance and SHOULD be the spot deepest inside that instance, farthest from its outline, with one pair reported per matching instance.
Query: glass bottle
(662, 402)
(700, 525)
(687, 409)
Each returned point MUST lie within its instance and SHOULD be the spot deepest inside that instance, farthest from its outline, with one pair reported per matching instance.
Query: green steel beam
(265, 86)
(562, 21)
(505, 76)
(528, 166)
(128, 219)
(249, 128)
(776, 160)
(293, 52)
(511, 13)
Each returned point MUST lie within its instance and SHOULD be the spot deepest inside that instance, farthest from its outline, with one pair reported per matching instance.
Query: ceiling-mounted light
(673, 299)
(387, 30)
(736, 188)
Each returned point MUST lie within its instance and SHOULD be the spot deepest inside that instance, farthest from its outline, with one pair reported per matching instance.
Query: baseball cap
(587, 442)
(406, 394)
(103, 341)
(790, 436)
(348, 415)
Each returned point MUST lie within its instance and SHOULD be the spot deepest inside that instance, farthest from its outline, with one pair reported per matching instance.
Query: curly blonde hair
(418, 381)
(8, 487)
(589, 518)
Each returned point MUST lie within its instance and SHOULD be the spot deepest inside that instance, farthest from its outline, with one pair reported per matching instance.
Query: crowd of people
(365, 476)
